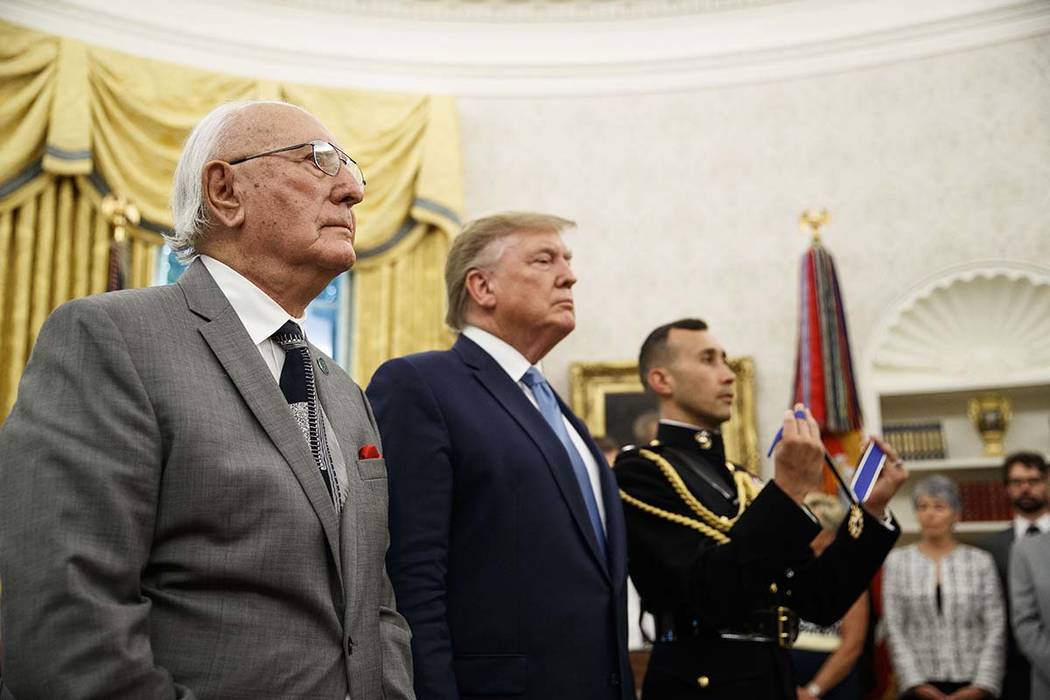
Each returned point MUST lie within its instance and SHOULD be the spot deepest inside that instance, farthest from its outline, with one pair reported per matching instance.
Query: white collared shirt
(258, 312)
(1021, 525)
(515, 365)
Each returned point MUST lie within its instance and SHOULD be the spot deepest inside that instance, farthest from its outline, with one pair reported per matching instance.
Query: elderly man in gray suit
(192, 498)
(1030, 607)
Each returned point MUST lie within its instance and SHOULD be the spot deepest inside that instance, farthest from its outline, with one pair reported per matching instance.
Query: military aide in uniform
(722, 563)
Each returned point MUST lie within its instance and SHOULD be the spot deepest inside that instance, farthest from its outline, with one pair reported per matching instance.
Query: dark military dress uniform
(724, 566)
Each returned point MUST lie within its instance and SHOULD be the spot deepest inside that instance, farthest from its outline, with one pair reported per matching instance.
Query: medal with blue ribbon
(870, 472)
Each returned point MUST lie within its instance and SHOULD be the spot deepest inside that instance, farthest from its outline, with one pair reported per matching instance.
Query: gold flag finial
(119, 212)
(811, 220)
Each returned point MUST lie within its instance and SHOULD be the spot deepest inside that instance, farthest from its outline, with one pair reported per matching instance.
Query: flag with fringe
(824, 378)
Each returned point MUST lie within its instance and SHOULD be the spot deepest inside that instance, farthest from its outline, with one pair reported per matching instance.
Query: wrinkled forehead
(262, 127)
(522, 242)
(533, 239)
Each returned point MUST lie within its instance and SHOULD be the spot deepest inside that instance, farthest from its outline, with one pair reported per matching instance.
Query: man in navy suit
(507, 549)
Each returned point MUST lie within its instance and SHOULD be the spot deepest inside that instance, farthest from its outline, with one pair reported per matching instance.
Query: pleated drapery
(78, 122)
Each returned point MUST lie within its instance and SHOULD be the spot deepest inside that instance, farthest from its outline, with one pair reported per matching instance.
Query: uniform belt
(769, 626)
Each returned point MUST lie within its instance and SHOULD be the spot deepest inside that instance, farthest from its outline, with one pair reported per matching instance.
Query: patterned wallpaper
(688, 202)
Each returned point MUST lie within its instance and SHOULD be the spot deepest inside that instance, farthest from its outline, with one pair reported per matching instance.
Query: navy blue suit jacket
(492, 555)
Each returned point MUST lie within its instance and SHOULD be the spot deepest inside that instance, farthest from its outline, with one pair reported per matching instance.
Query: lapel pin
(323, 365)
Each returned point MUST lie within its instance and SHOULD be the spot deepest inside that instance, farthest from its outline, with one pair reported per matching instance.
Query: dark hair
(1032, 460)
(654, 349)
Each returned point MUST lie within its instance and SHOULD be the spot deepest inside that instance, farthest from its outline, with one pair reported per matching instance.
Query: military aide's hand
(799, 458)
(890, 479)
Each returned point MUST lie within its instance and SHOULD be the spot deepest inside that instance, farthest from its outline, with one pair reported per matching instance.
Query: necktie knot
(289, 335)
(533, 378)
(1033, 529)
(300, 390)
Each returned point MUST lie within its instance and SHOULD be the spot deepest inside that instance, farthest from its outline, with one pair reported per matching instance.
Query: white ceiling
(534, 47)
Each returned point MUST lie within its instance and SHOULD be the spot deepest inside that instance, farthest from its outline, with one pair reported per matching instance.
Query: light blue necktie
(552, 414)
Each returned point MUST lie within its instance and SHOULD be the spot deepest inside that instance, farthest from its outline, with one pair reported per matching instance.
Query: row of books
(984, 500)
(916, 440)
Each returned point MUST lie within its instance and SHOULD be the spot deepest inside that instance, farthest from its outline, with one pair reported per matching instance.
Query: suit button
(703, 681)
(773, 587)
(348, 645)
(614, 679)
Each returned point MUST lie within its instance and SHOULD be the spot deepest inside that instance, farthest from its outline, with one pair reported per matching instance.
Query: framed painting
(608, 396)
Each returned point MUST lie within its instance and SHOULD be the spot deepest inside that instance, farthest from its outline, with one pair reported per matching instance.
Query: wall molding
(757, 42)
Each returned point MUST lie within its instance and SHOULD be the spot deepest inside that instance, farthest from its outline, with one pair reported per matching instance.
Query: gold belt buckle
(786, 634)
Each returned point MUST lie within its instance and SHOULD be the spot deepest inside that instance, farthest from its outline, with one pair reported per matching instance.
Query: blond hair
(475, 248)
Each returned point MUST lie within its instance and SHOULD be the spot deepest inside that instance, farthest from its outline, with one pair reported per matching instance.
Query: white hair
(188, 206)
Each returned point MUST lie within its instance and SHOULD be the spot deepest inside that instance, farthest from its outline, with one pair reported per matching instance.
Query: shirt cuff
(888, 522)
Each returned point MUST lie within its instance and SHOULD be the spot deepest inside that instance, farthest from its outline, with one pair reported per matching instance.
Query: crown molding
(519, 11)
(766, 42)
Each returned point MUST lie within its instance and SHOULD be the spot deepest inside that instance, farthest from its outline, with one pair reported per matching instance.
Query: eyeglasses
(326, 156)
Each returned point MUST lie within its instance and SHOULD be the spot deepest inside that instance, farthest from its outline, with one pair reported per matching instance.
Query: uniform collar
(692, 439)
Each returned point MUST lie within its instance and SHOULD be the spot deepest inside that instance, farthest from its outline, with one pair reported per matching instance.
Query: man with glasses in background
(1025, 482)
(193, 500)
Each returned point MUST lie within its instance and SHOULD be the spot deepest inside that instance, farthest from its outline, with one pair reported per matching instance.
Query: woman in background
(943, 607)
(825, 658)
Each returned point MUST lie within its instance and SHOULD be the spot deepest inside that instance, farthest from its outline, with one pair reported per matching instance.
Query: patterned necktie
(299, 389)
(551, 411)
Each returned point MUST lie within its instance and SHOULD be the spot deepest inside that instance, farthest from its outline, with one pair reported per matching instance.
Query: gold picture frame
(600, 388)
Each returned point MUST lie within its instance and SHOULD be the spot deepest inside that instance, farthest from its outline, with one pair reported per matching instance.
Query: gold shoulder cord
(714, 526)
(714, 534)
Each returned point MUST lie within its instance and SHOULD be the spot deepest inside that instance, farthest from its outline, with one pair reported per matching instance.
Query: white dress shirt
(260, 315)
(515, 365)
(1021, 525)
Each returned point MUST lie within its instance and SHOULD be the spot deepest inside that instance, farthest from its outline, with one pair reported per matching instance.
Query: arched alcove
(978, 324)
(976, 330)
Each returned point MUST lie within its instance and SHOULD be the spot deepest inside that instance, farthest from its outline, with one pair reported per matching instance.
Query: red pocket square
(368, 452)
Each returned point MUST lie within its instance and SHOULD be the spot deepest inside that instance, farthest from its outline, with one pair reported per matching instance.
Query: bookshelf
(971, 330)
(979, 477)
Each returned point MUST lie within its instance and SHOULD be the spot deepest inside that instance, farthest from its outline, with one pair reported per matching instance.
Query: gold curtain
(54, 246)
(77, 122)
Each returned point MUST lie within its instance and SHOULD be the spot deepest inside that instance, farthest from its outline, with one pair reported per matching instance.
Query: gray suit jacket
(1030, 603)
(1016, 678)
(164, 531)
